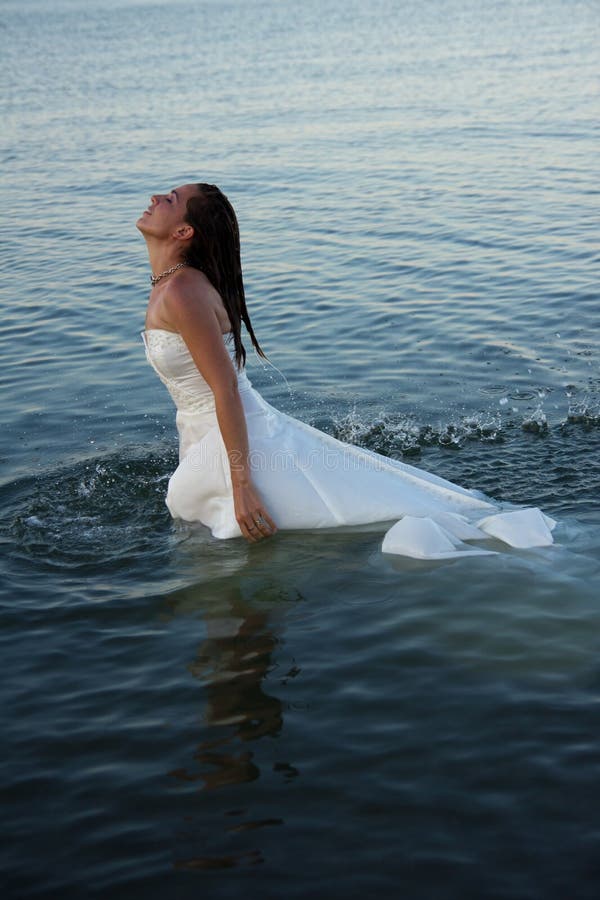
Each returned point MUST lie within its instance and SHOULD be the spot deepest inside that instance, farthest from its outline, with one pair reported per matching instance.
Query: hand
(252, 517)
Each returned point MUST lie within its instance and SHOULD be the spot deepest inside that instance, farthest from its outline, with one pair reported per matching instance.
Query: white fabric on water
(308, 479)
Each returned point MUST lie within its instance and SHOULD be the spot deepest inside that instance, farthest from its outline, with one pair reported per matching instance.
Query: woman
(246, 468)
(193, 243)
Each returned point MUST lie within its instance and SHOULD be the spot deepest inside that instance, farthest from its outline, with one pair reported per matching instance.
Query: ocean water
(417, 189)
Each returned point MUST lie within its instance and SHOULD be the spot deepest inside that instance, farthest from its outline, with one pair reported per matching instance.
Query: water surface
(417, 192)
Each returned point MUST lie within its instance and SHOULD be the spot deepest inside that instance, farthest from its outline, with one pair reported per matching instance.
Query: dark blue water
(417, 189)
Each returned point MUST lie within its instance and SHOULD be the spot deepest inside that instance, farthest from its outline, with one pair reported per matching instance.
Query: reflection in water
(231, 663)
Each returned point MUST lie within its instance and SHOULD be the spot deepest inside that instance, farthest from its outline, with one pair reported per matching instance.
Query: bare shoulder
(190, 295)
(188, 288)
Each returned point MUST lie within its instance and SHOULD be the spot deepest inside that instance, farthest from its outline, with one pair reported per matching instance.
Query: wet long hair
(215, 250)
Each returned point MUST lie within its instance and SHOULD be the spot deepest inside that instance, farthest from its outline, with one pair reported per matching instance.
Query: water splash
(585, 412)
(537, 422)
(100, 510)
(403, 436)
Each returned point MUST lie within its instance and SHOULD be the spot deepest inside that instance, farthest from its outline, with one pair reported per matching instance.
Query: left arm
(195, 319)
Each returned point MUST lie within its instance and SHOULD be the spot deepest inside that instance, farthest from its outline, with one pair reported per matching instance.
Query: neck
(162, 257)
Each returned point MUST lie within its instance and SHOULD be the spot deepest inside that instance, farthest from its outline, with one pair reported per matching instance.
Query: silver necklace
(154, 279)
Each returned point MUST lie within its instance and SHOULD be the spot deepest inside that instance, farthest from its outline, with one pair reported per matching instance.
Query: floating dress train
(308, 479)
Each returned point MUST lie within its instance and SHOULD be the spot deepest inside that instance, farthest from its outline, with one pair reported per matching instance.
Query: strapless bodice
(169, 356)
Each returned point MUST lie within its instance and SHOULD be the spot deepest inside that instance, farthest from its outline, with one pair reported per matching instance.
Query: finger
(250, 531)
(260, 527)
(266, 523)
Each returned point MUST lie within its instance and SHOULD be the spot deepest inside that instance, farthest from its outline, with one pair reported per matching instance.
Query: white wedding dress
(308, 479)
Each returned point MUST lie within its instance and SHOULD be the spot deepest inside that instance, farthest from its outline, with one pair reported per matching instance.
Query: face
(166, 212)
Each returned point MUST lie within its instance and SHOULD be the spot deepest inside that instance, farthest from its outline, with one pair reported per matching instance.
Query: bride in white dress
(244, 467)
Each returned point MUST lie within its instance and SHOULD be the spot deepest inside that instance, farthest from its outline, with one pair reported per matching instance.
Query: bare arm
(195, 318)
